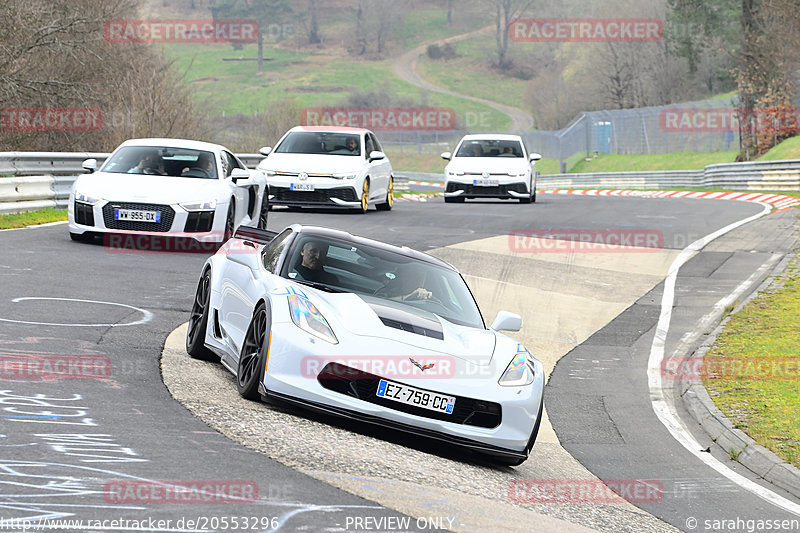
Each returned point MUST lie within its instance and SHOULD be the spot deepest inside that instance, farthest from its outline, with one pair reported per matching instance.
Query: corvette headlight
(350, 176)
(208, 205)
(307, 317)
(86, 199)
(519, 371)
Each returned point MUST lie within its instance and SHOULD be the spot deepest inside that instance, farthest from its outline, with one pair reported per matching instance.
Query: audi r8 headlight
(208, 205)
(307, 317)
(519, 371)
(345, 176)
(86, 199)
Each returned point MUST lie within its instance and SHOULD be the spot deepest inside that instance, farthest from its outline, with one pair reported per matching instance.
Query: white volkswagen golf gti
(490, 166)
(168, 187)
(341, 167)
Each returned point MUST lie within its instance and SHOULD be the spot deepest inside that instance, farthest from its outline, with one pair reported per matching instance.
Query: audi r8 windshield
(162, 161)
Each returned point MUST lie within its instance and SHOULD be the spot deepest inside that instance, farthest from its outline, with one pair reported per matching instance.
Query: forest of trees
(53, 55)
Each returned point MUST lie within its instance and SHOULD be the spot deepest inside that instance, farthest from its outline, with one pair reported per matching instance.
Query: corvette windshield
(362, 269)
(490, 148)
(162, 161)
(320, 142)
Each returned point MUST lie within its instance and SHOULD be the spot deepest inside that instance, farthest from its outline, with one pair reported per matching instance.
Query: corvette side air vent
(412, 328)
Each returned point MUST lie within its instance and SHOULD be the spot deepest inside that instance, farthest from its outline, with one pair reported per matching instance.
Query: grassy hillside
(788, 149)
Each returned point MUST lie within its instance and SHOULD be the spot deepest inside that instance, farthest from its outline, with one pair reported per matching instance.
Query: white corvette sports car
(168, 187)
(369, 331)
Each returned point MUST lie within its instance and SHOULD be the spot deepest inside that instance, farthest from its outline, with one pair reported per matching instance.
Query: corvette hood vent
(413, 328)
(427, 326)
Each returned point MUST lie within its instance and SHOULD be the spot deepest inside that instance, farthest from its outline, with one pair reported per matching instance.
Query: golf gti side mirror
(507, 321)
(90, 165)
(265, 150)
(447, 156)
(535, 157)
(375, 155)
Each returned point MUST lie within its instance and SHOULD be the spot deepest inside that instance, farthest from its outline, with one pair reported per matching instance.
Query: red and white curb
(778, 201)
(427, 183)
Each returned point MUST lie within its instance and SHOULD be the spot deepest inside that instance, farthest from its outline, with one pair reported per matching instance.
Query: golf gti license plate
(135, 215)
(302, 187)
(410, 396)
(486, 183)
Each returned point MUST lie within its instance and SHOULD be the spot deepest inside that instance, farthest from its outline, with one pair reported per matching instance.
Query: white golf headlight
(519, 371)
(86, 199)
(207, 205)
(307, 317)
(345, 176)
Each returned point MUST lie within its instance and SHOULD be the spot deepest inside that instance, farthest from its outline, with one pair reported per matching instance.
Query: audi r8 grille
(362, 385)
(476, 190)
(167, 215)
(320, 196)
(84, 214)
(199, 221)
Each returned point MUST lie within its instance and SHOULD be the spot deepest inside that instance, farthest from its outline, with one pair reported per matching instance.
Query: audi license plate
(137, 215)
(398, 392)
(302, 187)
(486, 183)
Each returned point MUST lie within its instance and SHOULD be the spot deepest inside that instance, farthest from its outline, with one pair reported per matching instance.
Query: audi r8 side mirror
(535, 157)
(265, 150)
(239, 174)
(506, 321)
(90, 165)
(447, 156)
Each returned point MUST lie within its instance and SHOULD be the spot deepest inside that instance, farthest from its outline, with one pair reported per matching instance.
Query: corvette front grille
(167, 215)
(362, 385)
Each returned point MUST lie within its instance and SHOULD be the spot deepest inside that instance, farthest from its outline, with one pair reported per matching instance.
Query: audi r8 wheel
(253, 357)
(387, 205)
(229, 223)
(198, 322)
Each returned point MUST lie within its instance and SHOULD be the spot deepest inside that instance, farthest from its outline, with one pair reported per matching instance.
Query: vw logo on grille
(485, 175)
(303, 176)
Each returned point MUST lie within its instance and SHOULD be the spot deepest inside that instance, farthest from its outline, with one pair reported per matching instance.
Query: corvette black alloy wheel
(198, 321)
(253, 356)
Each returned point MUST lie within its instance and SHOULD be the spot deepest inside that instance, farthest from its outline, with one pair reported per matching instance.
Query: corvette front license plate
(302, 187)
(136, 215)
(486, 183)
(410, 396)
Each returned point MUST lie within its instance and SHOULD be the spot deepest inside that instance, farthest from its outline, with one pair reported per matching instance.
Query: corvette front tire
(253, 357)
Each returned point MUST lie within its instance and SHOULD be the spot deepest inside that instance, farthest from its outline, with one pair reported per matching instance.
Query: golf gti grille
(319, 196)
(362, 385)
(474, 190)
(167, 215)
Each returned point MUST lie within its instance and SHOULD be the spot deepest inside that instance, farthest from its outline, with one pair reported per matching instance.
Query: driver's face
(352, 144)
(313, 255)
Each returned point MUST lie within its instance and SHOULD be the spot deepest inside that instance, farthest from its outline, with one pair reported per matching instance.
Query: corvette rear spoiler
(257, 235)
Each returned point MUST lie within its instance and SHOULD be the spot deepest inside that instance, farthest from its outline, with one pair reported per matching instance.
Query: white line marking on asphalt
(147, 315)
(664, 410)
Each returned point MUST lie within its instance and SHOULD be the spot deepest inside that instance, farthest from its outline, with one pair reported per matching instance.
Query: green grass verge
(788, 149)
(644, 162)
(766, 331)
(32, 218)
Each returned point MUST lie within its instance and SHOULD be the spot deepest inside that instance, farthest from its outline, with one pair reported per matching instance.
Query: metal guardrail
(20, 193)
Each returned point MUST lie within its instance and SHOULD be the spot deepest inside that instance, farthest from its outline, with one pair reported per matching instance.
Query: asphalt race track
(110, 441)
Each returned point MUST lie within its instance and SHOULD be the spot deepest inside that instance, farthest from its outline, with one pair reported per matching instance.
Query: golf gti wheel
(254, 354)
(387, 205)
(364, 197)
(198, 321)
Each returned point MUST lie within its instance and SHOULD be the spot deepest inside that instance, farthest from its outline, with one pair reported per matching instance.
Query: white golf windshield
(340, 266)
(320, 142)
(162, 161)
(490, 148)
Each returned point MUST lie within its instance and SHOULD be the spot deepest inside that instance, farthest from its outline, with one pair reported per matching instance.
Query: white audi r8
(490, 166)
(168, 187)
(360, 329)
(342, 167)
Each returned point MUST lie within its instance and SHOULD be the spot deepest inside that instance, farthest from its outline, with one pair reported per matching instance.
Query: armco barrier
(26, 193)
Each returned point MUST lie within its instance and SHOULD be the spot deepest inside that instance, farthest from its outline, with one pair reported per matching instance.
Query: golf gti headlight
(208, 205)
(519, 371)
(345, 176)
(307, 317)
(86, 199)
